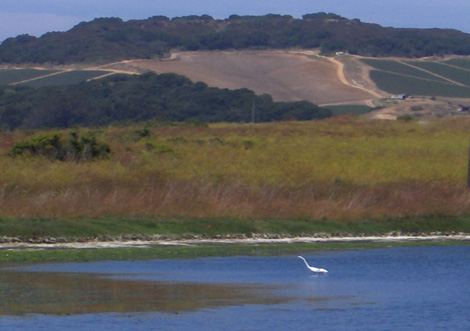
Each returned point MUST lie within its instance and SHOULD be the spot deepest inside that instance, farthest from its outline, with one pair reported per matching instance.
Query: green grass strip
(211, 227)
(25, 256)
(349, 109)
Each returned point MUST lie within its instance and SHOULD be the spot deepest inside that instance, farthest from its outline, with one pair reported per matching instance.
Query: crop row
(446, 78)
(399, 84)
(41, 78)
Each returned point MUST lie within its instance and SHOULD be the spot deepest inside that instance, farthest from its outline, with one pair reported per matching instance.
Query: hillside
(105, 40)
(148, 97)
(285, 75)
(438, 87)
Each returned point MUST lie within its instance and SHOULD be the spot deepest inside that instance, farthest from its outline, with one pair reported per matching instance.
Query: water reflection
(60, 293)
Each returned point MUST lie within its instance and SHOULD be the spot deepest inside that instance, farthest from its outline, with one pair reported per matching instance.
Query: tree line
(111, 39)
(160, 98)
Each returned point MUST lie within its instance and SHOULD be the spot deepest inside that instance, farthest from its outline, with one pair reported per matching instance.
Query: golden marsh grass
(343, 168)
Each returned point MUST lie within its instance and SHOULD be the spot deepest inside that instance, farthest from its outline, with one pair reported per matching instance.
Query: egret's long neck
(305, 261)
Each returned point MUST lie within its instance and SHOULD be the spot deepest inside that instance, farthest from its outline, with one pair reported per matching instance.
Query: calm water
(425, 288)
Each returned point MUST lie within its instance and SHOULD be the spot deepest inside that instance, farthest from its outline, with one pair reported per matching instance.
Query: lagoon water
(420, 288)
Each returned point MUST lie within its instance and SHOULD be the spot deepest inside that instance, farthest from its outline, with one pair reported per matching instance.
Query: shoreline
(259, 240)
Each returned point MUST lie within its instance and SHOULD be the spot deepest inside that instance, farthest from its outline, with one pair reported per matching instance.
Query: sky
(36, 17)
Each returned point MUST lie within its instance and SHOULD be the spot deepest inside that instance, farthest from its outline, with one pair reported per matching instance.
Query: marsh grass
(341, 169)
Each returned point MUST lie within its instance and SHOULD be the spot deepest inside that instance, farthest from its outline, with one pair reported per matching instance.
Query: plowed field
(287, 76)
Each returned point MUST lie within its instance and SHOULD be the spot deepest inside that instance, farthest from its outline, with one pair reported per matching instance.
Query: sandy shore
(95, 244)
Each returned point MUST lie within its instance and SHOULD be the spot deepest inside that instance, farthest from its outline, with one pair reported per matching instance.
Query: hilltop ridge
(112, 39)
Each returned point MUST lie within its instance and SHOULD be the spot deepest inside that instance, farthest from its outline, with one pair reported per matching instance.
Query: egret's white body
(316, 270)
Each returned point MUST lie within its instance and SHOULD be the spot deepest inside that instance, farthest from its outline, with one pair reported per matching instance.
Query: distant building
(399, 97)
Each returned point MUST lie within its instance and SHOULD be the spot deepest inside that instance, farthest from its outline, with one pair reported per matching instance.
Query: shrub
(416, 108)
(85, 148)
(405, 118)
(142, 133)
(248, 143)
(49, 146)
(54, 147)
(159, 148)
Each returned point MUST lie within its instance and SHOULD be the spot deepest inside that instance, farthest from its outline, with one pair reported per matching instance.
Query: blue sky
(37, 17)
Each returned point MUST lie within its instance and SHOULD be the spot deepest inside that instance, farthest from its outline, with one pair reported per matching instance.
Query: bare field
(286, 75)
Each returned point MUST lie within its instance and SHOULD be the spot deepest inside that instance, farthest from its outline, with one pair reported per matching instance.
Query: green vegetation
(405, 118)
(349, 109)
(111, 39)
(161, 98)
(462, 63)
(178, 228)
(54, 147)
(397, 67)
(457, 75)
(399, 84)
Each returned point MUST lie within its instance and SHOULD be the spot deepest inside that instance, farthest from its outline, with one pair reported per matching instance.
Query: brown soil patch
(418, 108)
(286, 75)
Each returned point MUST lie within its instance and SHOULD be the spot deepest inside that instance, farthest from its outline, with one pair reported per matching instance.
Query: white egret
(316, 270)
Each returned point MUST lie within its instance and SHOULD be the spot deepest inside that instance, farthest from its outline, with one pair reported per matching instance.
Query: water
(383, 289)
